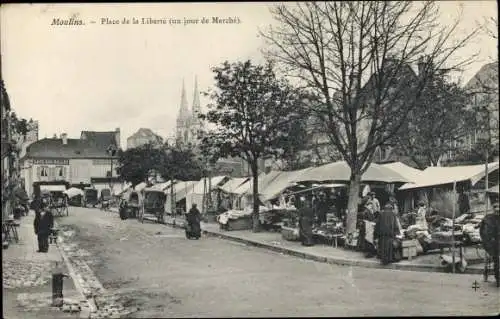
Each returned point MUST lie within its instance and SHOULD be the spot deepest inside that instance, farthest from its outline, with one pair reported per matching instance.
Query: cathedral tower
(183, 119)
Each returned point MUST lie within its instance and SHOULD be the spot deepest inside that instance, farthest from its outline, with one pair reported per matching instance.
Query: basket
(290, 234)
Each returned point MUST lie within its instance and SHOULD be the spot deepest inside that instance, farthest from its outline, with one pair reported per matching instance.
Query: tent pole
(453, 224)
(486, 182)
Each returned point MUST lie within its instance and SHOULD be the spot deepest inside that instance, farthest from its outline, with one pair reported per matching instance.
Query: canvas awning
(231, 186)
(161, 186)
(283, 181)
(53, 188)
(340, 171)
(408, 172)
(139, 187)
(181, 189)
(434, 176)
(263, 179)
(243, 188)
(202, 187)
(493, 190)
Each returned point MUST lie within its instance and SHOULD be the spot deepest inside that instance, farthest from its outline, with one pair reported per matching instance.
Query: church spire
(183, 110)
(196, 98)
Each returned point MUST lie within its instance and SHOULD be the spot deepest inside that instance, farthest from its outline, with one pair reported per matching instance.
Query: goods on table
(238, 219)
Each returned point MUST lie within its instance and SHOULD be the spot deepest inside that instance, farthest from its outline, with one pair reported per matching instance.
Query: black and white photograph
(250, 159)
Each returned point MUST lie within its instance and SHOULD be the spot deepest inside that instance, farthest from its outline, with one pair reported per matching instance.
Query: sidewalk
(27, 274)
(324, 253)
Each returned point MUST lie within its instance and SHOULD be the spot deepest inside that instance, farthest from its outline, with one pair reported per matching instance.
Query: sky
(103, 76)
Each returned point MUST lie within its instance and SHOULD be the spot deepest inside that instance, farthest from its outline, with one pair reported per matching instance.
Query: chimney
(64, 138)
(117, 137)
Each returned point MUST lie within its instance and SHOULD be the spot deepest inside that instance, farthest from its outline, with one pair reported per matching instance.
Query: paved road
(169, 276)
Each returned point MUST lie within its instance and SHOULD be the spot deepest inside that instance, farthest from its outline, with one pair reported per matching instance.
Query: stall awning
(340, 171)
(139, 187)
(263, 179)
(161, 186)
(494, 190)
(233, 184)
(408, 172)
(53, 188)
(434, 176)
(214, 182)
(283, 181)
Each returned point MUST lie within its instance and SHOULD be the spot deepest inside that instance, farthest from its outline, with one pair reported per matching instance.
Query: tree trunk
(352, 205)
(255, 197)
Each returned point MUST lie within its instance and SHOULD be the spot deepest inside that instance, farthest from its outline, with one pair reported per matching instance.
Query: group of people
(386, 243)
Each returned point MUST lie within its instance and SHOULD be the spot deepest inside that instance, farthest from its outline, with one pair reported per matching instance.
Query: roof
(75, 148)
(100, 140)
(408, 172)
(434, 176)
(233, 184)
(145, 132)
(487, 75)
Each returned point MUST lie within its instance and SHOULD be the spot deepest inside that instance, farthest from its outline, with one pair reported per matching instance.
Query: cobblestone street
(151, 270)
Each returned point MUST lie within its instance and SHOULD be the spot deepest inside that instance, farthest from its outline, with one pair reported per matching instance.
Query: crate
(409, 248)
(291, 234)
(243, 223)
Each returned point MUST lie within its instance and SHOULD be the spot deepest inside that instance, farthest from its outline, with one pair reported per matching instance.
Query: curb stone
(329, 260)
(338, 261)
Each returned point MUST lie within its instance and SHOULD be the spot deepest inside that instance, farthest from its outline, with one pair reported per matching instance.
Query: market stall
(453, 203)
(179, 191)
(205, 187)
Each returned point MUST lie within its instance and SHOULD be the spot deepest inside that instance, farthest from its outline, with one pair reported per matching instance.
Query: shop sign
(51, 162)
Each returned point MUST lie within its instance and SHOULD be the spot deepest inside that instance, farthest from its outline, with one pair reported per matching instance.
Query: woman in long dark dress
(43, 224)
(386, 230)
(306, 222)
(193, 218)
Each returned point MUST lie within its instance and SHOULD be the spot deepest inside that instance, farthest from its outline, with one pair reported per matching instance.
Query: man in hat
(375, 202)
(43, 224)
(420, 219)
(386, 230)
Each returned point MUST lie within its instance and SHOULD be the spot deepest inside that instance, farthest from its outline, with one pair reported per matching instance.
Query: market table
(10, 227)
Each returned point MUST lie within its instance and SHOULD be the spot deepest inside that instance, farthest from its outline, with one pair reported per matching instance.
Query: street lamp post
(171, 143)
(112, 152)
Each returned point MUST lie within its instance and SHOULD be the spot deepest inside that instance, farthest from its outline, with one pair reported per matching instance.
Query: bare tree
(355, 58)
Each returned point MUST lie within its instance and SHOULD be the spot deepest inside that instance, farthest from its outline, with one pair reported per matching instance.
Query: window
(44, 171)
(59, 171)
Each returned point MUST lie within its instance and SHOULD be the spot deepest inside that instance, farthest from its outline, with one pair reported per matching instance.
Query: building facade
(74, 161)
(142, 137)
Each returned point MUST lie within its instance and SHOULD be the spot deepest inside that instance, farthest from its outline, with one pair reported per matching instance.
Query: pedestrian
(43, 224)
(421, 217)
(375, 202)
(322, 209)
(193, 218)
(306, 220)
(463, 203)
(394, 203)
(386, 230)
